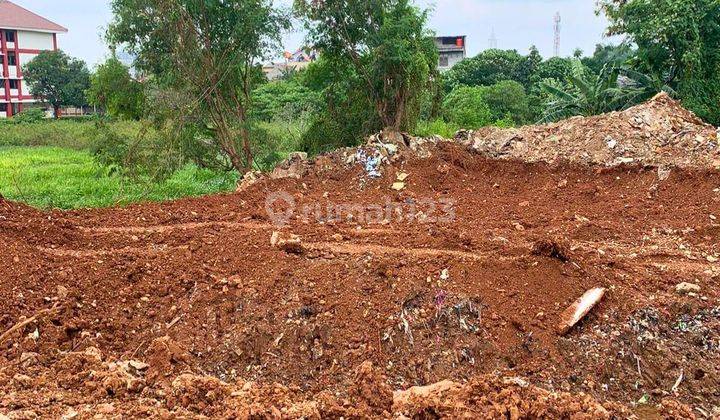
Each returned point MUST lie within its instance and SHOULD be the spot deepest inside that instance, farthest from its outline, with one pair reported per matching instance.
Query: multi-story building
(23, 35)
(452, 50)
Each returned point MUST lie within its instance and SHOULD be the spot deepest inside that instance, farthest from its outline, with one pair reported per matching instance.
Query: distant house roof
(13, 16)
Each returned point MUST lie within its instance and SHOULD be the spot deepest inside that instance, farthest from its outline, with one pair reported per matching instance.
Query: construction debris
(657, 133)
(579, 309)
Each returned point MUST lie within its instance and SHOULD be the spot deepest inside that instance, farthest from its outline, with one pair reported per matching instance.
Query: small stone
(687, 288)
(138, 365)
(105, 408)
(28, 359)
(398, 186)
(70, 414)
(402, 176)
(712, 259)
(288, 242)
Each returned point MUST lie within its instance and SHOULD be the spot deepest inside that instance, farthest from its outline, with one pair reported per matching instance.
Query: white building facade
(451, 51)
(23, 35)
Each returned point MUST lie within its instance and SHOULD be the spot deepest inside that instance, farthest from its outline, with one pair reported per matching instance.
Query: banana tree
(586, 93)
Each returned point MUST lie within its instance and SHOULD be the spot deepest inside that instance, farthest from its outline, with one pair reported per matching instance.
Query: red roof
(13, 16)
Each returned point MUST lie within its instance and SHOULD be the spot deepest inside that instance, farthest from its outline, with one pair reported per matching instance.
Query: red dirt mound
(456, 279)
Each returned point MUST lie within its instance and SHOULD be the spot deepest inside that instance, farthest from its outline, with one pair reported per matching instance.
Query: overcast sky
(517, 24)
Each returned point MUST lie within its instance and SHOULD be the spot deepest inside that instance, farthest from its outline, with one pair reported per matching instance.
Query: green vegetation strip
(53, 177)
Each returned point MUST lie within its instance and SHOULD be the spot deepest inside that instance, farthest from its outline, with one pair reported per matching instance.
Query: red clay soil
(186, 309)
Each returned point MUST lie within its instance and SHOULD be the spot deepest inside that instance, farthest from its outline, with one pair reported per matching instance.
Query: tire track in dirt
(345, 248)
(85, 253)
(174, 227)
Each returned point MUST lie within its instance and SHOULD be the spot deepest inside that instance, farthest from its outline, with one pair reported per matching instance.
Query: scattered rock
(288, 242)
(249, 179)
(551, 249)
(685, 288)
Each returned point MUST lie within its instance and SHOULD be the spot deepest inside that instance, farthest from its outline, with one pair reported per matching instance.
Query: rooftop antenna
(556, 49)
(493, 42)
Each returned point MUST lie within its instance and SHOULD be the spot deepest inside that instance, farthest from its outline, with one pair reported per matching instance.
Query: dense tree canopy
(386, 45)
(678, 41)
(112, 88)
(58, 79)
(487, 68)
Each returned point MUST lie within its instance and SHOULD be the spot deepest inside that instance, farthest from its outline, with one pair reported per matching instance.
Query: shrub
(507, 100)
(274, 98)
(466, 107)
(32, 115)
(61, 133)
(136, 149)
(438, 127)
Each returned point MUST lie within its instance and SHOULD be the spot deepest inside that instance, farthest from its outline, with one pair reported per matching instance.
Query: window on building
(3, 107)
(14, 84)
(9, 36)
(15, 109)
(12, 59)
(444, 61)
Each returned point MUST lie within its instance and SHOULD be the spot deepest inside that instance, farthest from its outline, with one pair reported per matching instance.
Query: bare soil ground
(186, 309)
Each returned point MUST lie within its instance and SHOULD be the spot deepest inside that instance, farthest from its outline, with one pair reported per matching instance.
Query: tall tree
(387, 45)
(112, 88)
(678, 42)
(616, 55)
(209, 49)
(488, 68)
(58, 79)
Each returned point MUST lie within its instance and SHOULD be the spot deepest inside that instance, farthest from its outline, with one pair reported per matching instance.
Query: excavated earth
(446, 305)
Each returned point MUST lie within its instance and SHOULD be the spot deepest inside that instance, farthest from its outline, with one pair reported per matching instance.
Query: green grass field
(54, 177)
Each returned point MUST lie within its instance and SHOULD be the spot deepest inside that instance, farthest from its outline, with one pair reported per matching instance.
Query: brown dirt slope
(445, 305)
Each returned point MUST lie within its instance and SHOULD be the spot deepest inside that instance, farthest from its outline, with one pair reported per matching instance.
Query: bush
(32, 115)
(136, 149)
(283, 97)
(466, 107)
(438, 127)
(61, 133)
(507, 100)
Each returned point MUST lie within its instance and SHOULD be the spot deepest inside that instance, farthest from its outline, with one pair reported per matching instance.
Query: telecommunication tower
(493, 42)
(556, 48)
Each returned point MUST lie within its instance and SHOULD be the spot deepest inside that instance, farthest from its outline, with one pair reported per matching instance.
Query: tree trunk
(56, 111)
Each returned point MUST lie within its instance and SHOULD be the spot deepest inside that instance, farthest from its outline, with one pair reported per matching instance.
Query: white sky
(517, 24)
